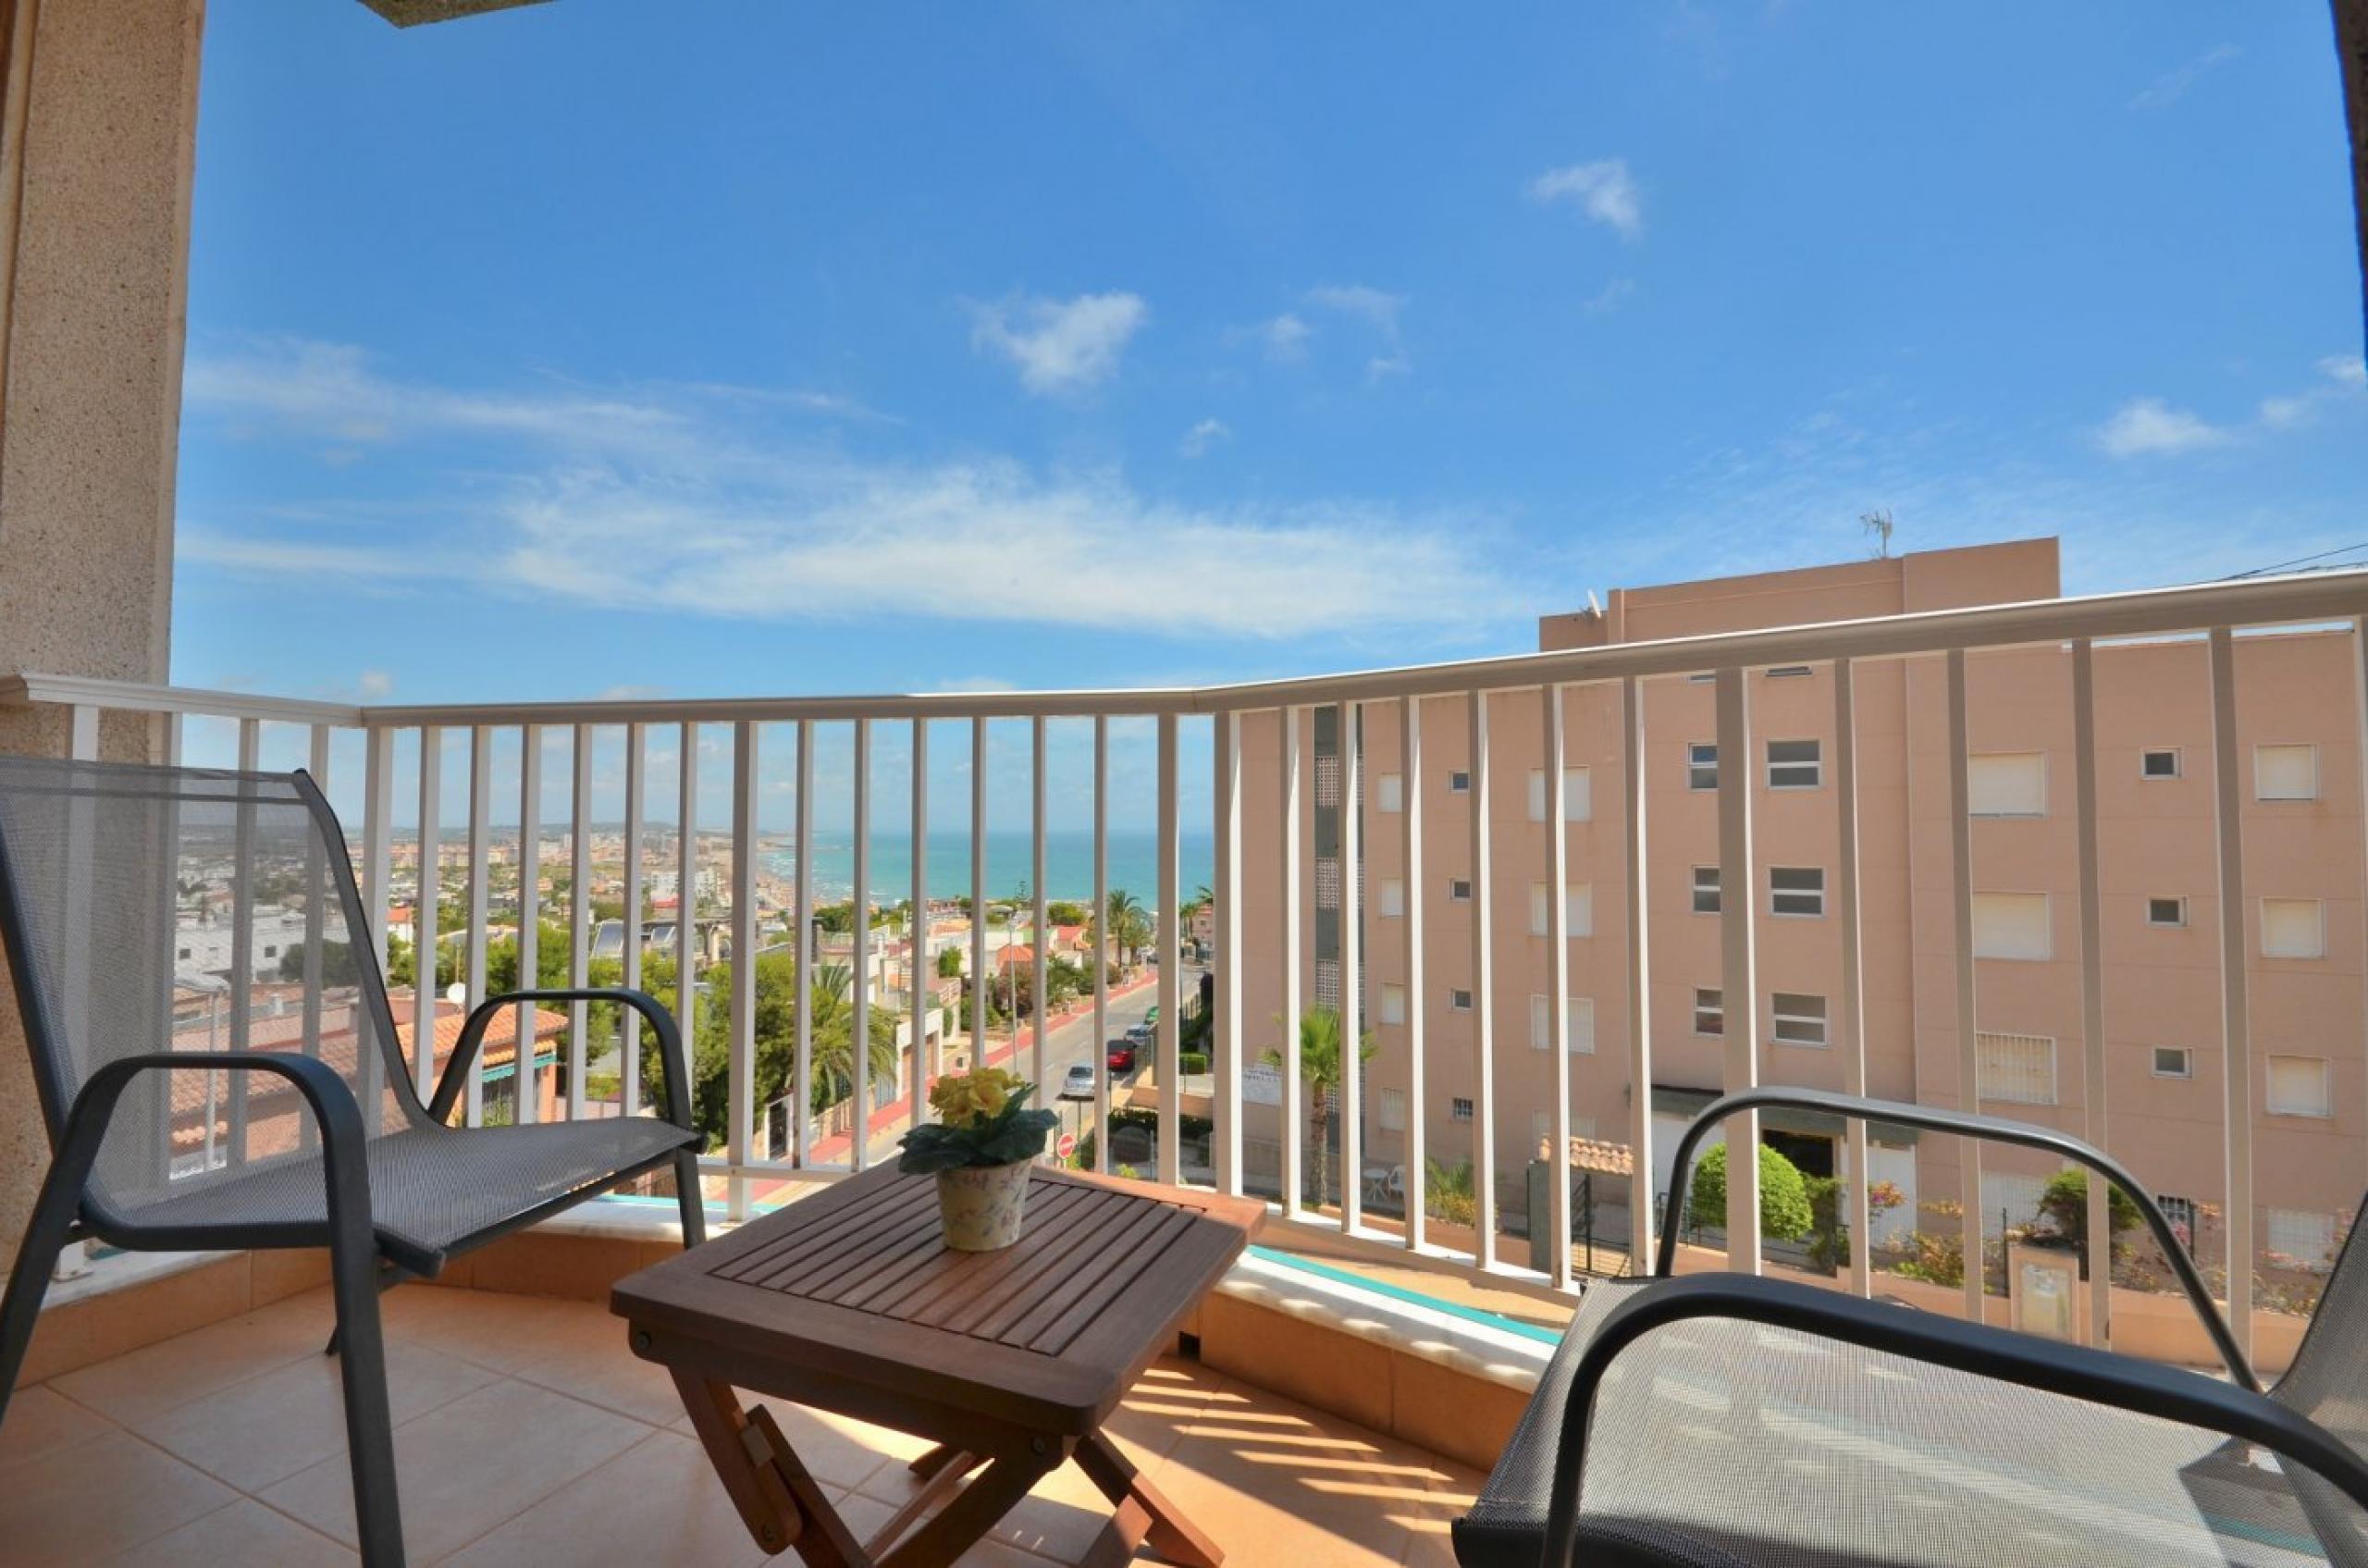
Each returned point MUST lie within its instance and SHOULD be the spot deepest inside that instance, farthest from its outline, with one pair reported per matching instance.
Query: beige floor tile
(82, 1505)
(583, 1353)
(484, 1326)
(172, 1372)
(839, 1451)
(246, 1534)
(40, 1422)
(468, 1465)
(659, 1502)
(268, 1428)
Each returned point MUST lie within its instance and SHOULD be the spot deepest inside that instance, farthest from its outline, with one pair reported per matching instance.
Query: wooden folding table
(850, 1302)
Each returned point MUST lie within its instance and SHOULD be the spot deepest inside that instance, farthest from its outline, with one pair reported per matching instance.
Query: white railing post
(1041, 979)
(525, 1080)
(242, 920)
(427, 911)
(1225, 1030)
(1171, 955)
(629, 1069)
(740, 1092)
(1558, 972)
(1739, 993)
(579, 918)
(1350, 1088)
(1294, 1176)
(480, 903)
(979, 979)
(918, 934)
(1642, 1232)
(859, 1111)
(686, 894)
(2099, 1261)
(803, 1007)
(1853, 1009)
(2236, 1021)
(1968, 1037)
(1484, 986)
(317, 899)
(1418, 996)
(1101, 942)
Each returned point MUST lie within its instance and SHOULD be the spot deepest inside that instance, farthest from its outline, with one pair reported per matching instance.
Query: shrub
(1784, 1195)
(2063, 1210)
(1192, 1062)
(1449, 1194)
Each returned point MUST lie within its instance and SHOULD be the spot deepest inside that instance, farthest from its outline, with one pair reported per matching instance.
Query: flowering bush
(983, 1120)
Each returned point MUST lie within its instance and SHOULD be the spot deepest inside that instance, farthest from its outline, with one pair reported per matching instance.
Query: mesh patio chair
(219, 1065)
(1720, 1420)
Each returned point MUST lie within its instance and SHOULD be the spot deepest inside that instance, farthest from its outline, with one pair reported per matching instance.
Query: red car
(1122, 1056)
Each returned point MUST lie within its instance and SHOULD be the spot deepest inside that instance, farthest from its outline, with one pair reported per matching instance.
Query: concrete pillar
(98, 123)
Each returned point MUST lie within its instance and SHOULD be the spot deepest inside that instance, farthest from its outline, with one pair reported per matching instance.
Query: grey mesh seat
(1719, 1420)
(220, 1065)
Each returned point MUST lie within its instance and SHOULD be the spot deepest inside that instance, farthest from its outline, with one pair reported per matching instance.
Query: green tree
(1068, 912)
(949, 963)
(1450, 1193)
(1320, 1065)
(1126, 926)
(2063, 1208)
(833, 1025)
(1784, 1211)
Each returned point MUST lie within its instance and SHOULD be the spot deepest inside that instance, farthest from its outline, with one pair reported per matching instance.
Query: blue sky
(743, 348)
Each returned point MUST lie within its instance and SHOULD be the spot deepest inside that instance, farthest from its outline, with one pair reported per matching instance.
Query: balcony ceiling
(411, 13)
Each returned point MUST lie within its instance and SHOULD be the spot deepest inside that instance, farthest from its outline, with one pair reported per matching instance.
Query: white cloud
(2345, 370)
(1283, 336)
(1202, 436)
(1061, 345)
(374, 684)
(1378, 309)
(2172, 85)
(760, 527)
(1611, 295)
(2144, 425)
(1603, 189)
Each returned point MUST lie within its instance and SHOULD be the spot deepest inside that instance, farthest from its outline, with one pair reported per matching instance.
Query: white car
(1078, 1084)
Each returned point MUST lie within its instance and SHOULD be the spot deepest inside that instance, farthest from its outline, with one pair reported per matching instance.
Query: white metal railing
(1434, 1049)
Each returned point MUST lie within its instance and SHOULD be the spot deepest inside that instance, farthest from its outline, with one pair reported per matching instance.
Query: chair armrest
(2122, 1382)
(1996, 1129)
(669, 1043)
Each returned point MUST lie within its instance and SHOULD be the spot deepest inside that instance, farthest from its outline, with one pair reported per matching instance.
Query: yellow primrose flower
(978, 1095)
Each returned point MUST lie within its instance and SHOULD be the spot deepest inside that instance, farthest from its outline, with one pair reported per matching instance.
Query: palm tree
(1319, 1076)
(831, 1008)
(1126, 925)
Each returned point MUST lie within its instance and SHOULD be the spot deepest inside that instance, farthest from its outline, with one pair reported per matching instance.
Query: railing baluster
(426, 911)
(804, 1005)
(740, 1090)
(1642, 1235)
(1041, 1010)
(2099, 1262)
(168, 907)
(1413, 879)
(1969, 1040)
(480, 900)
(1852, 1001)
(579, 918)
(629, 1069)
(2236, 1022)
(1484, 986)
(686, 894)
(1225, 1028)
(1101, 942)
(1739, 999)
(859, 1111)
(918, 931)
(526, 1082)
(1558, 974)
(1171, 956)
(1293, 1175)
(1352, 1019)
(980, 979)
(242, 918)
(82, 745)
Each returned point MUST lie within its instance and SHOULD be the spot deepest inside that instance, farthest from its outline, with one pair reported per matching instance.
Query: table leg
(778, 1498)
(972, 1513)
(1144, 1513)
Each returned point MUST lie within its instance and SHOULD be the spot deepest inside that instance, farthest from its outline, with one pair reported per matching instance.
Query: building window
(1389, 791)
(1538, 1021)
(1578, 1013)
(1459, 1109)
(2159, 762)
(1578, 794)
(2293, 928)
(2174, 1061)
(1795, 890)
(2180, 1212)
(1788, 671)
(1393, 1110)
(1705, 890)
(185, 952)
(1710, 1011)
(1393, 899)
(2302, 1240)
(1702, 765)
(2298, 1087)
(1794, 764)
(1458, 889)
(1458, 783)
(2286, 773)
(1460, 1000)
(1800, 1019)
(2006, 783)
(2167, 912)
(2017, 1068)
(2012, 925)
(1393, 1004)
(1538, 910)
(271, 952)
(1578, 909)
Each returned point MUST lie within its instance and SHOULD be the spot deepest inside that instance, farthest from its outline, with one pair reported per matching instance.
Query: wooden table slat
(1065, 1313)
(1110, 1240)
(893, 1293)
(944, 1290)
(797, 1243)
(994, 1276)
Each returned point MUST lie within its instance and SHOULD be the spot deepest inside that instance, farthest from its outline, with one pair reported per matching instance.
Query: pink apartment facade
(2298, 700)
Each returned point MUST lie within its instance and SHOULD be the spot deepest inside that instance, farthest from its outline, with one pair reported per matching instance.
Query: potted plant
(980, 1149)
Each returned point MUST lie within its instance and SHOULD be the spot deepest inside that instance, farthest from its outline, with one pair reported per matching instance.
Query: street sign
(1066, 1147)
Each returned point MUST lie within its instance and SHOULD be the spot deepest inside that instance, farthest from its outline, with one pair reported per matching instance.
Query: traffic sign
(1066, 1146)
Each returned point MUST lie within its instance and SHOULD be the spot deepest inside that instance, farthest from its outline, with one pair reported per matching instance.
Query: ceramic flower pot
(979, 1206)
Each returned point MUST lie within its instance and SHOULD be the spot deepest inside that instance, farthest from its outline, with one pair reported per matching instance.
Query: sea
(1068, 863)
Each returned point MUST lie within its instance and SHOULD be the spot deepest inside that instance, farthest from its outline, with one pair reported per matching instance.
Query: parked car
(1142, 1034)
(1078, 1082)
(1122, 1056)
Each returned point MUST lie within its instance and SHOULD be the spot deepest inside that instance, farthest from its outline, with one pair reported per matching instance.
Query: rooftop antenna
(1878, 524)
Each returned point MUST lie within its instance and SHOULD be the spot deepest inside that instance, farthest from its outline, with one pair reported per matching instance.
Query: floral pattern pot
(979, 1206)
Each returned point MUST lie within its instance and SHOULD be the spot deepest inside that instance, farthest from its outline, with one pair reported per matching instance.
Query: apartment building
(2297, 697)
